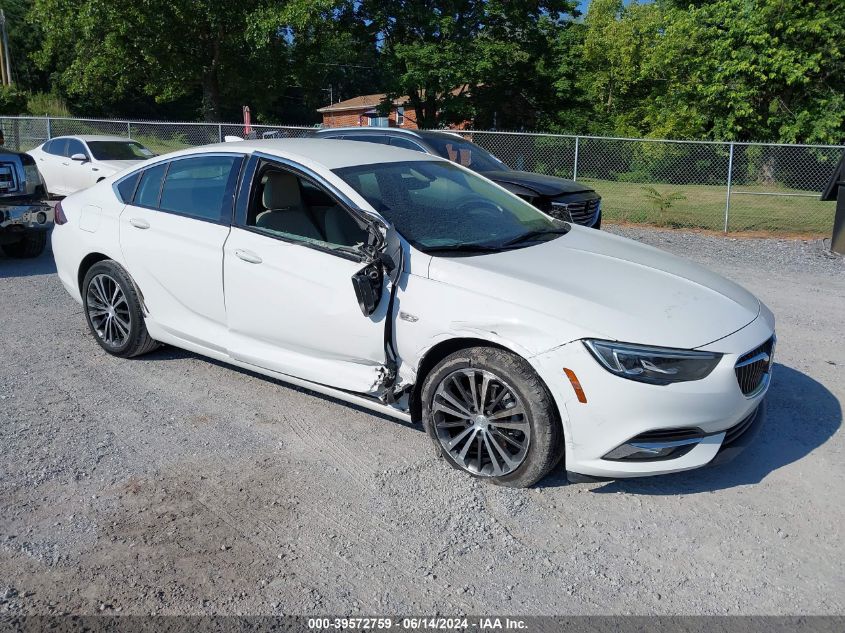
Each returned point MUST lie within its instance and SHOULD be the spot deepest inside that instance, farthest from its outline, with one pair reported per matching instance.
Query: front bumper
(718, 419)
(26, 217)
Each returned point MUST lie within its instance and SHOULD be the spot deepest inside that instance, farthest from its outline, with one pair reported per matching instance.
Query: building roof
(361, 102)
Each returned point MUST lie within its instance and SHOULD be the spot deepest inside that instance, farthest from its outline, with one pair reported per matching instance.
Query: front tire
(489, 414)
(113, 311)
(29, 246)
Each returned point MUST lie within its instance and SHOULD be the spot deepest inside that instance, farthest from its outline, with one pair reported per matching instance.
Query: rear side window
(150, 186)
(56, 147)
(126, 187)
(200, 188)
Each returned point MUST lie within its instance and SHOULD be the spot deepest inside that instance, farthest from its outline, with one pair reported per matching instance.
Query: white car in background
(413, 286)
(70, 163)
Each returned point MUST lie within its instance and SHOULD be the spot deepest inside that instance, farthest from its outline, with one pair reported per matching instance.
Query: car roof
(330, 153)
(390, 131)
(91, 137)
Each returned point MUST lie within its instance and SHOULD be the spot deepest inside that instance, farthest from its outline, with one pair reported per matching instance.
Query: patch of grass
(46, 104)
(703, 206)
(161, 145)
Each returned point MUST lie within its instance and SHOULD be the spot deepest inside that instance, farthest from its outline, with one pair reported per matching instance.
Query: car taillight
(61, 218)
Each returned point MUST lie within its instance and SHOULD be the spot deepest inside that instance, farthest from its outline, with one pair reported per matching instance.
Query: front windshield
(436, 205)
(465, 153)
(119, 150)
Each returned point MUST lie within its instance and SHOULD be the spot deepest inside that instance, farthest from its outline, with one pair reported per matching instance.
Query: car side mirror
(80, 157)
(368, 284)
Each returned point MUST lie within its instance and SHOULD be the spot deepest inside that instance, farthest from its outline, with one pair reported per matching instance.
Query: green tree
(100, 51)
(330, 52)
(439, 53)
(752, 70)
(618, 47)
(722, 69)
(24, 40)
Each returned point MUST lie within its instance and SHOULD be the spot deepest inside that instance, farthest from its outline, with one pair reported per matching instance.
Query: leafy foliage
(718, 69)
(662, 201)
(11, 100)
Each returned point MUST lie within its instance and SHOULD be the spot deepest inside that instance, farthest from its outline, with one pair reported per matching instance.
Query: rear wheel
(113, 311)
(490, 415)
(29, 246)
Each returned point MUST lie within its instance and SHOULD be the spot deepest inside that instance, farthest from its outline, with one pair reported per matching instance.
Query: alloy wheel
(481, 422)
(108, 310)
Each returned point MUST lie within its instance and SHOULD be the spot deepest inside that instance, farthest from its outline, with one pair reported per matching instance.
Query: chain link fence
(769, 188)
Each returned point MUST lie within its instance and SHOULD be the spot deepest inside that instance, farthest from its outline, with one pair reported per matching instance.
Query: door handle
(138, 223)
(247, 256)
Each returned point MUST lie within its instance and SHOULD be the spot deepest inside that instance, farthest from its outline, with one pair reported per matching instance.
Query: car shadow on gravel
(801, 415)
(44, 264)
(174, 353)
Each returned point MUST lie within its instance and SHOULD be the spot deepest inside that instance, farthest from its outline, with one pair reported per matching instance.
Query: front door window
(292, 207)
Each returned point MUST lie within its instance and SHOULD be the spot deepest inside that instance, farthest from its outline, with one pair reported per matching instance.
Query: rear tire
(31, 245)
(113, 311)
(490, 415)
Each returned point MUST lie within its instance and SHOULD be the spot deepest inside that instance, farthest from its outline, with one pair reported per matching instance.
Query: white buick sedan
(409, 285)
(70, 163)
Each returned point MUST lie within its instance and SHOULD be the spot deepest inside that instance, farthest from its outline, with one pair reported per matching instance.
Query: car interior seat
(284, 209)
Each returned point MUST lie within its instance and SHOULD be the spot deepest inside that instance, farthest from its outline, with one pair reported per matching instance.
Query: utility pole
(5, 61)
(3, 79)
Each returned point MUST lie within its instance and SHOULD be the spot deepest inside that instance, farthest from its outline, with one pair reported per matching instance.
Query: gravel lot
(172, 484)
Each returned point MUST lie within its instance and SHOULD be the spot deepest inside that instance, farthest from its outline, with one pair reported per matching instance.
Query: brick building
(364, 111)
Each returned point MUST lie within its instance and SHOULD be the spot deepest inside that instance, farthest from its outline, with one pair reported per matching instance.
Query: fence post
(128, 129)
(220, 131)
(575, 167)
(730, 174)
(49, 128)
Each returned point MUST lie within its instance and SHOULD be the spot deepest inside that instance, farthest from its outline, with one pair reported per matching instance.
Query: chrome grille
(8, 182)
(581, 211)
(752, 369)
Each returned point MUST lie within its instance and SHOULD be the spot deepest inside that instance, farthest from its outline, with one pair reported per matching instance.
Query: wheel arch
(85, 265)
(441, 350)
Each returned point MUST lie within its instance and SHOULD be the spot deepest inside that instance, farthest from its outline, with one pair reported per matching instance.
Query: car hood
(609, 287)
(118, 165)
(540, 184)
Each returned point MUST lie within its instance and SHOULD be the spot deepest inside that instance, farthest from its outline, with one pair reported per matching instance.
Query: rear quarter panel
(92, 228)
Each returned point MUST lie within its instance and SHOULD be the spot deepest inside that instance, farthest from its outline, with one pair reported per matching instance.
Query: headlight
(654, 365)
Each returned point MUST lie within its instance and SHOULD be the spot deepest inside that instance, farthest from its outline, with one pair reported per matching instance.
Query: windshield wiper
(464, 248)
(531, 235)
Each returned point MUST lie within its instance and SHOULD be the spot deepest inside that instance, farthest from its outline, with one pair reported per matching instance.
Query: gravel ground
(171, 484)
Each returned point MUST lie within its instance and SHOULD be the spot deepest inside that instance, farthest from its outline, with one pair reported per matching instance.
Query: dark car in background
(563, 199)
